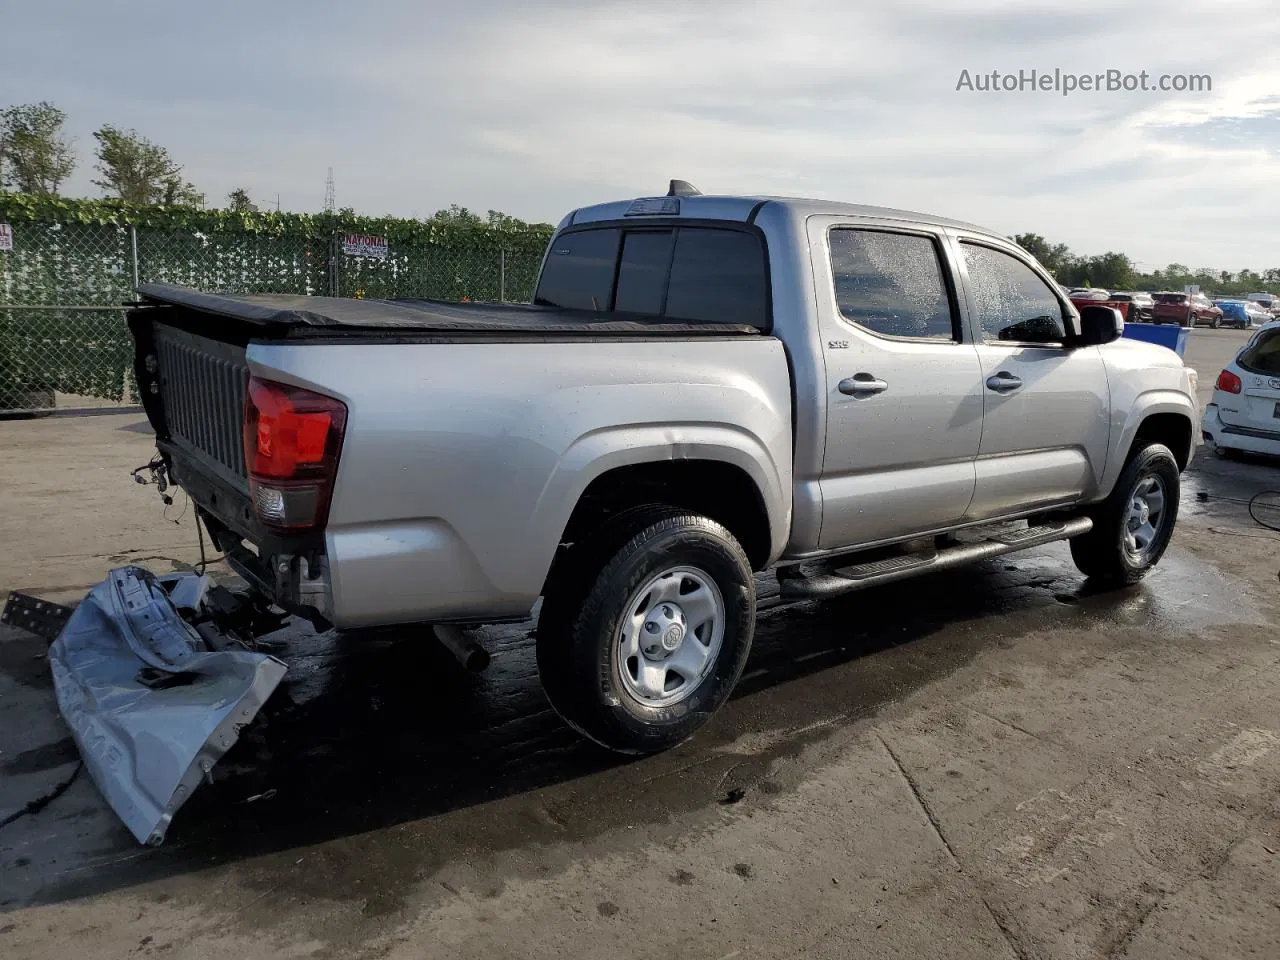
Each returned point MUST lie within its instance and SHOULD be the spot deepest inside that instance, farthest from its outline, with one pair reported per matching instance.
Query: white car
(1244, 414)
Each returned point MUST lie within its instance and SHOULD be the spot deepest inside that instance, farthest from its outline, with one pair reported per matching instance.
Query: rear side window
(1169, 298)
(1263, 355)
(891, 284)
(579, 271)
(684, 274)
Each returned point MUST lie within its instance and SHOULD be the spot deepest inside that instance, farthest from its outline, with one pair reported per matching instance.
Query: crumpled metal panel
(147, 749)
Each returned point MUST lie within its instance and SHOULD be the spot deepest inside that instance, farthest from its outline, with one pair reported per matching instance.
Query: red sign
(358, 245)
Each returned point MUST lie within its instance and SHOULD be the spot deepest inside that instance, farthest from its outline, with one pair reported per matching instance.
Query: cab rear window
(579, 270)
(686, 274)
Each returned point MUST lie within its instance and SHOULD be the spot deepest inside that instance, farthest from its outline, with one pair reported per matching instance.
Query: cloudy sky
(537, 107)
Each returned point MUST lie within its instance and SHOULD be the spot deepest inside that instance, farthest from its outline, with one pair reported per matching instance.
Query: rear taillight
(1228, 382)
(292, 438)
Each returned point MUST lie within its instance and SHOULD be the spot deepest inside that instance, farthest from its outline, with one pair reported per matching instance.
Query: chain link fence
(64, 344)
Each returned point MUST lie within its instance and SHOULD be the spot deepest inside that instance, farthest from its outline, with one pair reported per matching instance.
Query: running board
(857, 576)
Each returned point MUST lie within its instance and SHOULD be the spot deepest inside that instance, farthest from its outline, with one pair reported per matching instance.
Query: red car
(1096, 297)
(1186, 310)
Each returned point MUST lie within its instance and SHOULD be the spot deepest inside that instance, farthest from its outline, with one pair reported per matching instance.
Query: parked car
(1088, 293)
(1141, 305)
(703, 388)
(1258, 314)
(1244, 413)
(1096, 297)
(1185, 309)
(1235, 313)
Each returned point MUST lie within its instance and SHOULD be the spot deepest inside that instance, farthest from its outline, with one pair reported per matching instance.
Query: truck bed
(286, 316)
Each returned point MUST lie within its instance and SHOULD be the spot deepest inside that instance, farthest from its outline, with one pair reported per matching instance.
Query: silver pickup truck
(703, 388)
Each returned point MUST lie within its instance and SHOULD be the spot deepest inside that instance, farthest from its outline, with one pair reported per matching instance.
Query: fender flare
(598, 452)
(1146, 404)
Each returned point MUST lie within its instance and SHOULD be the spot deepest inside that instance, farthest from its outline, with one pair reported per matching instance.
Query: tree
(1055, 258)
(35, 156)
(456, 216)
(238, 200)
(494, 219)
(502, 221)
(1114, 271)
(139, 171)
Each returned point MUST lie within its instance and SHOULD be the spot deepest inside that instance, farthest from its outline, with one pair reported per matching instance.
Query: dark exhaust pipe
(466, 651)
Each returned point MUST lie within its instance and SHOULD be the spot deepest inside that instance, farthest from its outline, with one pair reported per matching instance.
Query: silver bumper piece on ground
(148, 745)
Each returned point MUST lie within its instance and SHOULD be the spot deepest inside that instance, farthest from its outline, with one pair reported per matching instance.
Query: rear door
(904, 391)
(1046, 408)
(1259, 365)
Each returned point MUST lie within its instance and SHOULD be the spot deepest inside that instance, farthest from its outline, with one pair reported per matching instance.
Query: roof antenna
(683, 188)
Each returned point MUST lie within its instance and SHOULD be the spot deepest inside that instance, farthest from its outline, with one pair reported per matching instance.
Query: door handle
(1003, 382)
(862, 384)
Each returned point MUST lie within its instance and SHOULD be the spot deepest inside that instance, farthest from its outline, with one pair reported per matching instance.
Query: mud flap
(151, 708)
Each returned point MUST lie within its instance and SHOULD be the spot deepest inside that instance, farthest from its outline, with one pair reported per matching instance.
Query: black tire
(579, 656)
(1213, 324)
(1103, 554)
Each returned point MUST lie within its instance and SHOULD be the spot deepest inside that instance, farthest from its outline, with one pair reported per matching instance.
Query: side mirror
(1099, 325)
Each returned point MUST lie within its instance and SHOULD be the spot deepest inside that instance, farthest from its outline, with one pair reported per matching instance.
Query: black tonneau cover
(334, 315)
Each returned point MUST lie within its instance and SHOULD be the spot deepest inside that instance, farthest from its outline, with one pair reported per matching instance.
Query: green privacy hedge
(29, 208)
(78, 252)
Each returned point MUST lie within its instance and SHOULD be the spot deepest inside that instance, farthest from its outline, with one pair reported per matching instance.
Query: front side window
(1010, 302)
(891, 284)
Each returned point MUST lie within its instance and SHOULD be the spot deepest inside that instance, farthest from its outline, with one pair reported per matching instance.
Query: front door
(904, 385)
(1046, 422)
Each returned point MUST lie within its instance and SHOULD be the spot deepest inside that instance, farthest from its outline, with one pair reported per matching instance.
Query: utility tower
(330, 203)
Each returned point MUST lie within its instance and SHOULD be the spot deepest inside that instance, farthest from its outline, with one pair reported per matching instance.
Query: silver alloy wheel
(671, 633)
(1145, 517)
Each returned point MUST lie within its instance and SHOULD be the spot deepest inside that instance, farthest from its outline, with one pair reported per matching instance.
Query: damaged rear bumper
(151, 704)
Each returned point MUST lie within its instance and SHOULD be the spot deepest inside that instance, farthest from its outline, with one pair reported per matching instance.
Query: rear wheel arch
(716, 489)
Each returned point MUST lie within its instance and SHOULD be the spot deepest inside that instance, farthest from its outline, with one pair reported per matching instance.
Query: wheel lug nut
(651, 627)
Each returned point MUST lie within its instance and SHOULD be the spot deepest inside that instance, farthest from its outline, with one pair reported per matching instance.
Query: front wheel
(1213, 323)
(644, 635)
(1133, 526)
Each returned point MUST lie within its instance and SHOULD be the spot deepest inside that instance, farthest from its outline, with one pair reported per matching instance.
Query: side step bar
(857, 576)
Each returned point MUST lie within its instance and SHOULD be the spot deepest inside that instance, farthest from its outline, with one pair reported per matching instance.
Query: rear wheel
(1133, 526)
(644, 633)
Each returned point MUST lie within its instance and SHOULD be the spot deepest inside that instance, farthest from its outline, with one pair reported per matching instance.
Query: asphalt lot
(988, 763)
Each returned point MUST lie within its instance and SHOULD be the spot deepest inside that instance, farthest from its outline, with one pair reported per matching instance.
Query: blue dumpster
(1165, 334)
